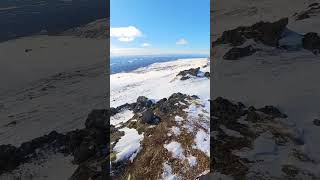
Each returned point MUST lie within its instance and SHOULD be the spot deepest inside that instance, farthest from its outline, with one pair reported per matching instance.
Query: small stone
(316, 122)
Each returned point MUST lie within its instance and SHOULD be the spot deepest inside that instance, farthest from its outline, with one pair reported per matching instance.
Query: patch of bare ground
(148, 164)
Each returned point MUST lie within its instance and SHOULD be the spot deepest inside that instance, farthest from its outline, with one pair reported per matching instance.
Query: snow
(202, 141)
(175, 130)
(198, 115)
(126, 87)
(179, 119)
(167, 173)
(192, 160)
(129, 145)
(291, 39)
(285, 79)
(231, 132)
(176, 149)
(121, 117)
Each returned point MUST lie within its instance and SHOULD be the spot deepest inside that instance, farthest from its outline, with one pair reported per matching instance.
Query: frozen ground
(180, 142)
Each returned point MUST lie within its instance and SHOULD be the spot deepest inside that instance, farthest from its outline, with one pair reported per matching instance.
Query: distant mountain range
(22, 18)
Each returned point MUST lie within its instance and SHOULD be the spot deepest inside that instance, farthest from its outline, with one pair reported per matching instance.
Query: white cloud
(145, 45)
(125, 34)
(182, 41)
(117, 51)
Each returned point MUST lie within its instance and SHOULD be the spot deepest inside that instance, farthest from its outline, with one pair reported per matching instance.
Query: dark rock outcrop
(9, 158)
(316, 122)
(273, 112)
(142, 104)
(98, 119)
(86, 145)
(264, 32)
(237, 53)
(149, 117)
(207, 74)
(312, 10)
(168, 105)
(311, 41)
(235, 128)
(189, 72)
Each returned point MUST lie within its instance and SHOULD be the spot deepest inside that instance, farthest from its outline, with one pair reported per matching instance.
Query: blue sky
(142, 27)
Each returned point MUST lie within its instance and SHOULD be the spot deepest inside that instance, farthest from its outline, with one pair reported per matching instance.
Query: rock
(311, 41)
(83, 172)
(308, 13)
(253, 116)
(302, 16)
(75, 138)
(98, 118)
(12, 123)
(232, 37)
(237, 53)
(189, 72)
(9, 158)
(272, 111)
(53, 139)
(316, 122)
(149, 117)
(167, 106)
(224, 109)
(88, 144)
(270, 33)
(142, 104)
(207, 74)
(27, 50)
(84, 152)
(290, 170)
(265, 32)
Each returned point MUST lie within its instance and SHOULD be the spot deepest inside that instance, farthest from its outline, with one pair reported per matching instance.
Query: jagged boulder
(169, 105)
(207, 74)
(189, 72)
(9, 158)
(310, 11)
(98, 118)
(311, 41)
(149, 117)
(273, 112)
(316, 122)
(237, 53)
(142, 104)
(265, 32)
(224, 109)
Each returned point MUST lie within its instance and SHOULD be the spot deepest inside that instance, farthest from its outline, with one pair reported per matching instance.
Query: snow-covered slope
(158, 81)
(161, 121)
(282, 75)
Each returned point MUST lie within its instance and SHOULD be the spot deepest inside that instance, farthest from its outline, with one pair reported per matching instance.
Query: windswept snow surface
(158, 81)
(176, 149)
(129, 144)
(167, 173)
(121, 117)
(203, 142)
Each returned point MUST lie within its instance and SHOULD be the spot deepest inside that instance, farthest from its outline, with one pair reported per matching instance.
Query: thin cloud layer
(145, 45)
(125, 34)
(182, 41)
